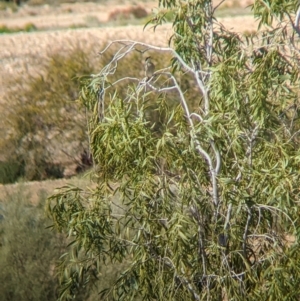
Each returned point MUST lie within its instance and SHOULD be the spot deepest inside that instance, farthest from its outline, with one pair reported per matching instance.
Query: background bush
(43, 126)
(28, 251)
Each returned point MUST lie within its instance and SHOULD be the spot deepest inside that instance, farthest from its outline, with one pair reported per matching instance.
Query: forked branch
(127, 46)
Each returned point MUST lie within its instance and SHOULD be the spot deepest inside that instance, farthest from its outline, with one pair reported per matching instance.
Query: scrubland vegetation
(192, 184)
(43, 124)
(28, 251)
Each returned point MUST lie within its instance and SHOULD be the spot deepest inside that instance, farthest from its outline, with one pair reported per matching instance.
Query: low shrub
(11, 4)
(11, 171)
(27, 28)
(43, 125)
(137, 12)
(28, 251)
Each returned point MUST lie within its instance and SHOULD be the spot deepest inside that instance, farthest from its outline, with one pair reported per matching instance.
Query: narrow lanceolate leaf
(202, 162)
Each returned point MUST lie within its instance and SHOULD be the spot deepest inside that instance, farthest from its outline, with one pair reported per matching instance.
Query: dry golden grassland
(33, 190)
(21, 52)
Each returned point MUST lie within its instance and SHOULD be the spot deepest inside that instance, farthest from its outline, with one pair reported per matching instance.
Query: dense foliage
(205, 206)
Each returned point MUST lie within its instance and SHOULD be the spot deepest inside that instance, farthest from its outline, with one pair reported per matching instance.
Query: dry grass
(66, 15)
(69, 15)
(19, 52)
(35, 189)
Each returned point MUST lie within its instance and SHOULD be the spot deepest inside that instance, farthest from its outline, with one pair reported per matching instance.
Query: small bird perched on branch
(149, 67)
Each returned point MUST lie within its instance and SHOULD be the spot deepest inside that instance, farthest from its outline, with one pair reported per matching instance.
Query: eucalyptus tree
(205, 206)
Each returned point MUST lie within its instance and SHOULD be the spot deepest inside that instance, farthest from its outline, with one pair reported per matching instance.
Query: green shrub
(8, 5)
(27, 28)
(28, 251)
(43, 125)
(30, 27)
(4, 29)
(11, 171)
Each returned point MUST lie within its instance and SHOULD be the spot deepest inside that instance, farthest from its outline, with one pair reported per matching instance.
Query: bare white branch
(127, 47)
(197, 116)
(132, 46)
(297, 22)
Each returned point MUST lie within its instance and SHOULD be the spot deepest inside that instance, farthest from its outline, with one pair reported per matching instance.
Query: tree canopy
(196, 169)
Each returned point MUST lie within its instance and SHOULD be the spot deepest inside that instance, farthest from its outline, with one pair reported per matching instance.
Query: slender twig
(297, 22)
(158, 48)
(245, 235)
(203, 90)
(228, 216)
(168, 263)
(251, 140)
(217, 156)
(211, 34)
(197, 116)
(216, 7)
(274, 209)
(201, 251)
